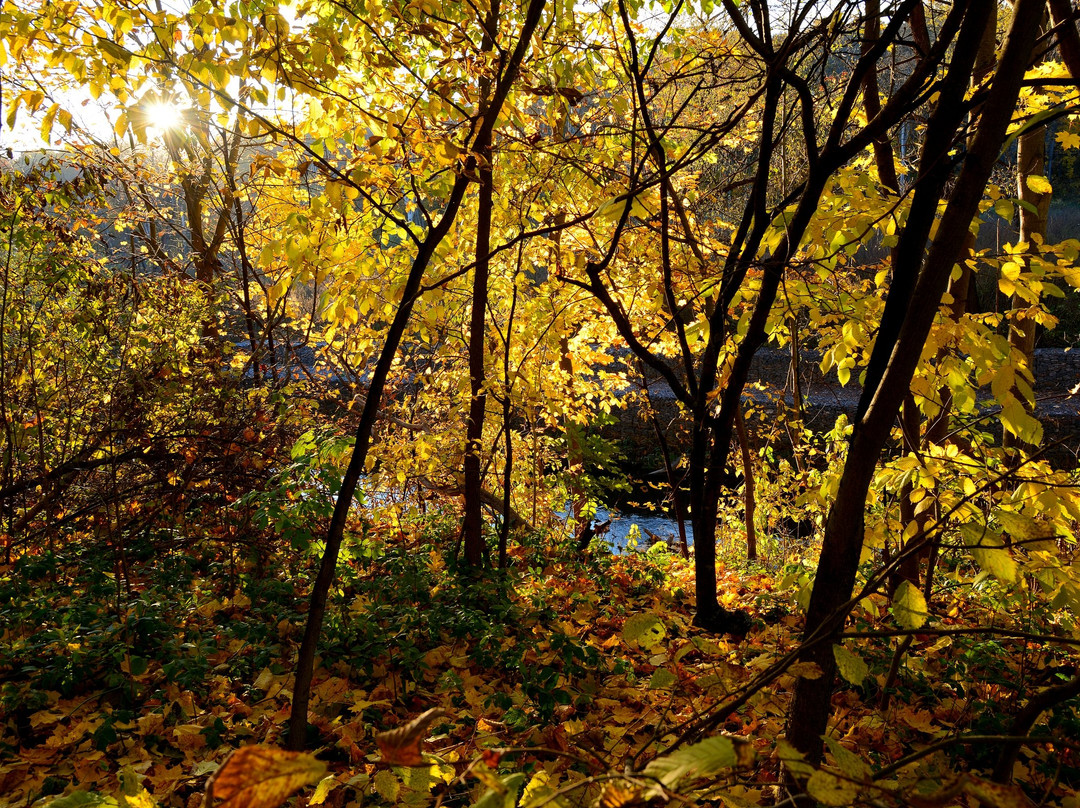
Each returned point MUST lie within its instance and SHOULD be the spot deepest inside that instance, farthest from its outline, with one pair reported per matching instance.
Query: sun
(163, 116)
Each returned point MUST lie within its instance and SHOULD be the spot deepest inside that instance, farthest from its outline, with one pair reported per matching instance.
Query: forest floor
(570, 669)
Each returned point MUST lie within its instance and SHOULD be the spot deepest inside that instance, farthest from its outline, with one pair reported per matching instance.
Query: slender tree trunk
(749, 498)
(1030, 163)
(473, 526)
(960, 286)
(704, 501)
(320, 590)
(674, 483)
(508, 460)
(911, 428)
(575, 456)
(911, 419)
(795, 373)
(305, 664)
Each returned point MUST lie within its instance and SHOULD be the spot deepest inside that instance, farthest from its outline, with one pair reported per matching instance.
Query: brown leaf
(260, 777)
(403, 746)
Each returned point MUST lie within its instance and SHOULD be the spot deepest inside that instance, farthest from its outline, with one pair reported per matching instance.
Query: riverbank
(824, 399)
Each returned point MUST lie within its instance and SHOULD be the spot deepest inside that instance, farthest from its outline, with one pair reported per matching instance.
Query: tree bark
(749, 498)
(305, 665)
(910, 309)
(1030, 162)
(473, 525)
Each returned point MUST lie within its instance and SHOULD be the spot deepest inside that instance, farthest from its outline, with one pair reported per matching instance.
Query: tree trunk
(937, 428)
(305, 664)
(749, 499)
(909, 313)
(473, 525)
(508, 460)
(1030, 163)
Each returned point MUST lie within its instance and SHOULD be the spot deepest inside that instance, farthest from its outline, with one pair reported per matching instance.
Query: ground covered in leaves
(555, 678)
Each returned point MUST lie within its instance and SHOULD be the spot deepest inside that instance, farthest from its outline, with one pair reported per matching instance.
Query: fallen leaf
(403, 746)
(806, 670)
(261, 777)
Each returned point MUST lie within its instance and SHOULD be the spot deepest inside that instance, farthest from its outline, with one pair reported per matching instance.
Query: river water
(636, 531)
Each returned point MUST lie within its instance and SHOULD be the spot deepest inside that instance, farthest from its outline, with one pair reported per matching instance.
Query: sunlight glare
(163, 116)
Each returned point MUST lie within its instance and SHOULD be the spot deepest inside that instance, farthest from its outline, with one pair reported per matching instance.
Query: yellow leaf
(140, 799)
(118, 52)
(1005, 209)
(1068, 140)
(793, 760)
(645, 629)
(322, 791)
(1039, 184)
(261, 777)
(909, 606)
(47, 122)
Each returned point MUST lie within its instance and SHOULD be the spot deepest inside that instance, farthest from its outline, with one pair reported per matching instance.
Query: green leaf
(851, 666)
(794, 760)
(988, 548)
(1020, 527)
(1005, 209)
(82, 799)
(387, 785)
(507, 797)
(997, 562)
(709, 757)
(849, 763)
(909, 606)
(645, 629)
(612, 209)
(829, 789)
(663, 679)
(116, 51)
(1016, 420)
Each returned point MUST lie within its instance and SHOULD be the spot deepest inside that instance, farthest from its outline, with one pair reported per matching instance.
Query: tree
(910, 308)
(731, 315)
(473, 227)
